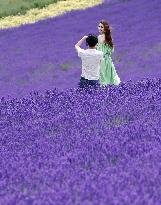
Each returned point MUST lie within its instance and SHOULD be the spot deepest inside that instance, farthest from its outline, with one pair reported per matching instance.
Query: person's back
(91, 60)
(90, 63)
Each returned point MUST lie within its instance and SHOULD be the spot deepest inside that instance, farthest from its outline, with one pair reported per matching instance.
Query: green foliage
(65, 66)
(14, 7)
(119, 120)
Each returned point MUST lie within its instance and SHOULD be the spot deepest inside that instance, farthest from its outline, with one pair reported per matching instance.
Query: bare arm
(77, 46)
(101, 38)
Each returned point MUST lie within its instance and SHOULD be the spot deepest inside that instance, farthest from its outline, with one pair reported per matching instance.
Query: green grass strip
(20, 7)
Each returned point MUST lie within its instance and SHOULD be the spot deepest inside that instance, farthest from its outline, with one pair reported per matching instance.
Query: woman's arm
(101, 39)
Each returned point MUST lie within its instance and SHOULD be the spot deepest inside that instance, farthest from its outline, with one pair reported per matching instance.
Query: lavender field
(72, 147)
(60, 145)
(42, 56)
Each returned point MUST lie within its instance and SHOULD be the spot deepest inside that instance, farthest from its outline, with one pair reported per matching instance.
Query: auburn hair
(107, 32)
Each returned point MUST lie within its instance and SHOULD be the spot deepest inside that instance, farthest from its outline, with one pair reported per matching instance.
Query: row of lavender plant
(77, 147)
(42, 56)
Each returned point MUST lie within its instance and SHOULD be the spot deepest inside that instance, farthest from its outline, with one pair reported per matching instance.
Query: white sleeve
(80, 52)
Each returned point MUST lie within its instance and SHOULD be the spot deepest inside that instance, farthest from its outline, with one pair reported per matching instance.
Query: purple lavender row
(76, 147)
(42, 56)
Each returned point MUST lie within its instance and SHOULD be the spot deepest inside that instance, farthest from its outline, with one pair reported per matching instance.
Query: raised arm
(77, 46)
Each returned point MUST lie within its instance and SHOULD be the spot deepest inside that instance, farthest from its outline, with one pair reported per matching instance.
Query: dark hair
(107, 29)
(91, 40)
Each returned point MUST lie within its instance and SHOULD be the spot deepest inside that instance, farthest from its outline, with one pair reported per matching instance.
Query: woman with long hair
(108, 73)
